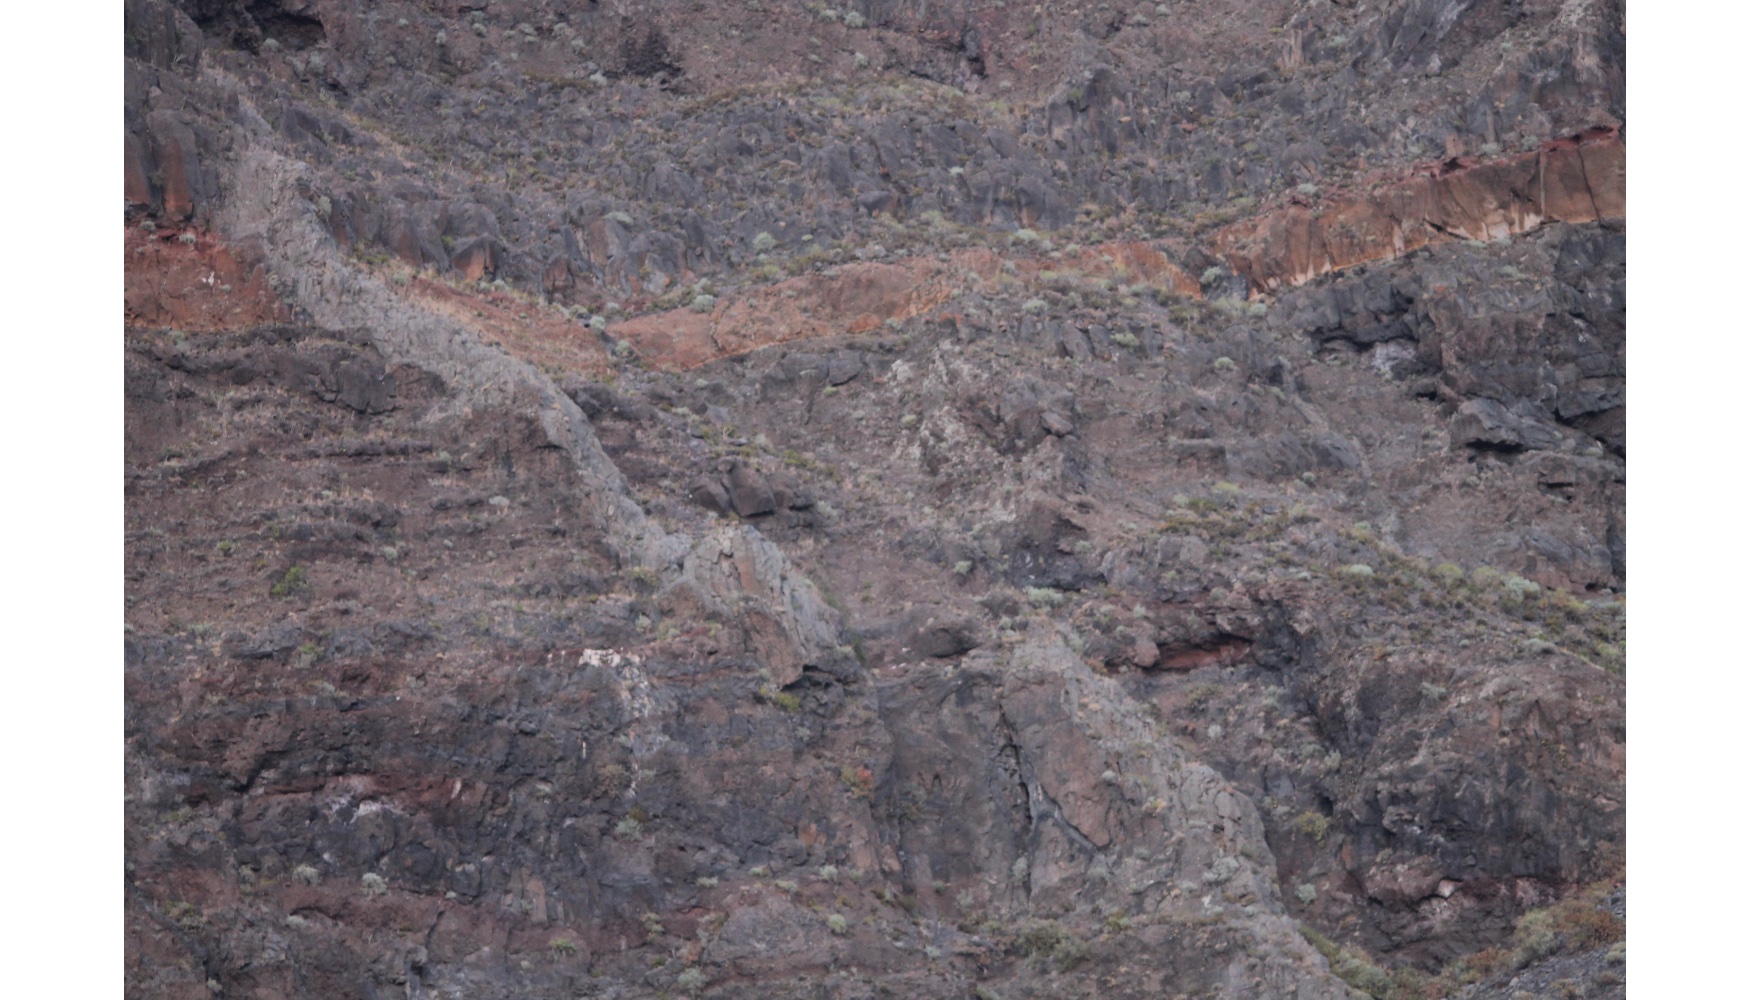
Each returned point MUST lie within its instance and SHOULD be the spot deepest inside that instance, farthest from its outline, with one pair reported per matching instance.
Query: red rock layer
(1578, 179)
(859, 298)
(189, 280)
(530, 330)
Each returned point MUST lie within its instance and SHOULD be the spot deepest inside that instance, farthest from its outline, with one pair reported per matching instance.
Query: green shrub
(1519, 587)
(1199, 695)
(1353, 967)
(295, 581)
(838, 925)
(186, 914)
(691, 980)
(1571, 925)
(1534, 937)
(1222, 870)
(1045, 597)
(860, 781)
(784, 700)
(374, 884)
(1312, 824)
(1050, 940)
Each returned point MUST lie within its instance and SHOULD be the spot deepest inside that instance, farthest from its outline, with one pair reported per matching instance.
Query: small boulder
(708, 492)
(944, 638)
(364, 385)
(1145, 654)
(266, 644)
(789, 493)
(875, 202)
(476, 259)
(842, 366)
(1484, 423)
(1403, 883)
(749, 492)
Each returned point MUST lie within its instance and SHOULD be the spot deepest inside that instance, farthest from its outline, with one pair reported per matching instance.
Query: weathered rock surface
(1142, 116)
(526, 771)
(893, 500)
(1577, 179)
(189, 281)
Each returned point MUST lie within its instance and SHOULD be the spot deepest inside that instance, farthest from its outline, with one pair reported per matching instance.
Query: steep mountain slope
(763, 500)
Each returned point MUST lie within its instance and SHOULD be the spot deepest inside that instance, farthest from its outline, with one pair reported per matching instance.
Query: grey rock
(943, 638)
(1411, 32)
(1484, 423)
(749, 493)
(266, 644)
(709, 493)
(843, 366)
(875, 201)
(789, 493)
(365, 386)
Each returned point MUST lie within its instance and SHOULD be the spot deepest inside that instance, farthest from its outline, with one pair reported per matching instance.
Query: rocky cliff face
(776, 500)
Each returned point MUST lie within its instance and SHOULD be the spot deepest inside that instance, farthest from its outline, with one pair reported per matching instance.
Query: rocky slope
(939, 500)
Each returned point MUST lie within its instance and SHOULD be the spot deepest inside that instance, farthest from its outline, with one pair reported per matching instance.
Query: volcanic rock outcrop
(781, 500)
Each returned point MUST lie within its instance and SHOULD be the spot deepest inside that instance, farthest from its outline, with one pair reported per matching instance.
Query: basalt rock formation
(768, 499)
